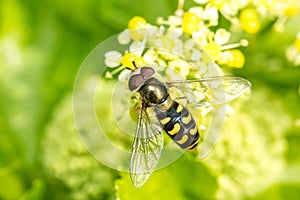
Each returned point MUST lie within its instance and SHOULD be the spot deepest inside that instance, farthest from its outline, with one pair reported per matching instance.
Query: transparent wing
(146, 149)
(210, 91)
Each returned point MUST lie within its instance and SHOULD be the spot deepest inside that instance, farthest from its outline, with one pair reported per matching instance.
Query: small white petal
(150, 31)
(214, 14)
(150, 56)
(213, 22)
(189, 44)
(160, 31)
(196, 55)
(137, 47)
(200, 38)
(197, 10)
(172, 34)
(175, 21)
(202, 67)
(209, 12)
(160, 20)
(112, 58)
(230, 9)
(124, 37)
(222, 36)
(177, 30)
(124, 75)
(201, 1)
(244, 3)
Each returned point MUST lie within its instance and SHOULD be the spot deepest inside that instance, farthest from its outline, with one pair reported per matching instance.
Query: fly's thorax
(154, 91)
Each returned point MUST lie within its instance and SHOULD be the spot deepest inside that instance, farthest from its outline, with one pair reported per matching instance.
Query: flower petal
(112, 59)
(196, 55)
(124, 37)
(201, 1)
(124, 76)
(210, 13)
(137, 47)
(222, 36)
(150, 56)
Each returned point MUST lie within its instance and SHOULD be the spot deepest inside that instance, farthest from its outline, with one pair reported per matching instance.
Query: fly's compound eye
(135, 81)
(147, 72)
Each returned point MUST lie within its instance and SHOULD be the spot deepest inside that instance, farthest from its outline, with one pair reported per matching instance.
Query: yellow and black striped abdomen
(179, 124)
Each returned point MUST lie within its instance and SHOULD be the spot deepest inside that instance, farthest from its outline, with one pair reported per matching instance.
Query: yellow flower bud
(250, 21)
(129, 58)
(136, 23)
(190, 23)
(236, 60)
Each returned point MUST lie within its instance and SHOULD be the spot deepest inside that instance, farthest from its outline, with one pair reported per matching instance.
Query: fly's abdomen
(179, 124)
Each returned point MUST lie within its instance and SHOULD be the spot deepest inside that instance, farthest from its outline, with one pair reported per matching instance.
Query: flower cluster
(241, 157)
(176, 44)
(201, 24)
(249, 15)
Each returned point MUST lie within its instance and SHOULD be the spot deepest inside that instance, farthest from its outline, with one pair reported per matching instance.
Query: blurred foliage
(65, 158)
(184, 180)
(42, 44)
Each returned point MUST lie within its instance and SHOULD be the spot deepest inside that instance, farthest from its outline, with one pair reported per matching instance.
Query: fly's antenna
(135, 67)
(134, 64)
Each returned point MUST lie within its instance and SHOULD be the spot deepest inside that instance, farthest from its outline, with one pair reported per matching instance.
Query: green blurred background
(43, 43)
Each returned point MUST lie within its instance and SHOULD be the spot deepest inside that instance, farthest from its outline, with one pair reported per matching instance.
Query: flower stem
(179, 10)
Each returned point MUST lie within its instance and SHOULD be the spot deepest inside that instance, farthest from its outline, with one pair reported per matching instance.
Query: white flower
(180, 66)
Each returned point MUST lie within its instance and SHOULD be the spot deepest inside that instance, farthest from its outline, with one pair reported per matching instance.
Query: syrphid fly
(160, 112)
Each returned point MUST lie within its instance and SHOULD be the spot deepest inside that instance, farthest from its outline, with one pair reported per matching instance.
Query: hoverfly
(160, 113)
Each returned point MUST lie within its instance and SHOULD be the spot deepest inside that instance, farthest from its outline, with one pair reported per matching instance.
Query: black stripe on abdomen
(179, 124)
